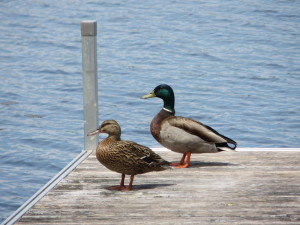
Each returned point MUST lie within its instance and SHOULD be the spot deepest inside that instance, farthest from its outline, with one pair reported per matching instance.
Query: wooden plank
(247, 187)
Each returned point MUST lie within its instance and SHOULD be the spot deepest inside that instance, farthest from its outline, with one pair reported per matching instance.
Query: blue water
(234, 65)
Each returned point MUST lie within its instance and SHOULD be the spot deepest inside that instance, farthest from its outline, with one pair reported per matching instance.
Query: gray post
(90, 85)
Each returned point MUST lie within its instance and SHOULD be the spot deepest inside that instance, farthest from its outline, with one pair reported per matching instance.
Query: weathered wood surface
(224, 188)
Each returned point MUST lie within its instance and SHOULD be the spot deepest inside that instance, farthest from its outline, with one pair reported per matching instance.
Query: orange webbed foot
(180, 163)
(183, 166)
(126, 189)
(116, 188)
(175, 164)
(122, 187)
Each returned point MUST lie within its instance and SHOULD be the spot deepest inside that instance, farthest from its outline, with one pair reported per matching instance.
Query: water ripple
(233, 65)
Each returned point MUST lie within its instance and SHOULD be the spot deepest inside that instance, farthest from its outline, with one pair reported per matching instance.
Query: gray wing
(201, 130)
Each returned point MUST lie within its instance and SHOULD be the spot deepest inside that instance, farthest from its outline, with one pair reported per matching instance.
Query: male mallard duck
(181, 134)
(125, 157)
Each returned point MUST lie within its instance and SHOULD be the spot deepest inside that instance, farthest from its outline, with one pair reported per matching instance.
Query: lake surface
(234, 65)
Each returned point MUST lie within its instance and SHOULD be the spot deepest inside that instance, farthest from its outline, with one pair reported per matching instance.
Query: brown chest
(156, 123)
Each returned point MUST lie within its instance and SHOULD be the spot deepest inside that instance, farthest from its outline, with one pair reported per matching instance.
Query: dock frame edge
(46, 188)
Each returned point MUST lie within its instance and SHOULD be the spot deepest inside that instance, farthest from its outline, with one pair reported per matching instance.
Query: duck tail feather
(226, 147)
(167, 166)
(162, 163)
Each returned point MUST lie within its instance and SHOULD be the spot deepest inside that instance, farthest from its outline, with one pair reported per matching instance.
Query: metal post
(90, 85)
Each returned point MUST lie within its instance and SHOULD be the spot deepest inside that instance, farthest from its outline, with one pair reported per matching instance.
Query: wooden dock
(244, 187)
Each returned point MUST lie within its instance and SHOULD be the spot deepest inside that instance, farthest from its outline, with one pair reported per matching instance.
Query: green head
(165, 92)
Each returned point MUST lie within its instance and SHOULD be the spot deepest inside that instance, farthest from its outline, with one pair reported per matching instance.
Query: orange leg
(181, 162)
(187, 163)
(121, 187)
(129, 188)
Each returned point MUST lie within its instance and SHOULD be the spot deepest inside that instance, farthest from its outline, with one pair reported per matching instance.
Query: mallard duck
(184, 135)
(125, 157)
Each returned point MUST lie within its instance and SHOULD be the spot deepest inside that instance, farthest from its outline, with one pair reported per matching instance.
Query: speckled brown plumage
(125, 157)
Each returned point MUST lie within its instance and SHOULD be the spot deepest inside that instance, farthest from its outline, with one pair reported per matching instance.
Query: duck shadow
(197, 164)
(137, 187)
(149, 186)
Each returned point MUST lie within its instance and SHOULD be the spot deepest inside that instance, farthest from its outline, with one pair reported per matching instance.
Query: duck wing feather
(199, 129)
(140, 152)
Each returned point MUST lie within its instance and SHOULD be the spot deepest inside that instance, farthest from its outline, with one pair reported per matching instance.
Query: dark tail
(226, 146)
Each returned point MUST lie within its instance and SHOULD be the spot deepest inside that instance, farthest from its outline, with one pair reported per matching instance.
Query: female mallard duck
(181, 134)
(125, 157)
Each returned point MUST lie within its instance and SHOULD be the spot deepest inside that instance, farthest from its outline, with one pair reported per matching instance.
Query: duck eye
(160, 88)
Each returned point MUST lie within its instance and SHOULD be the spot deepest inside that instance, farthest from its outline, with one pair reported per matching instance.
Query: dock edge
(46, 188)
